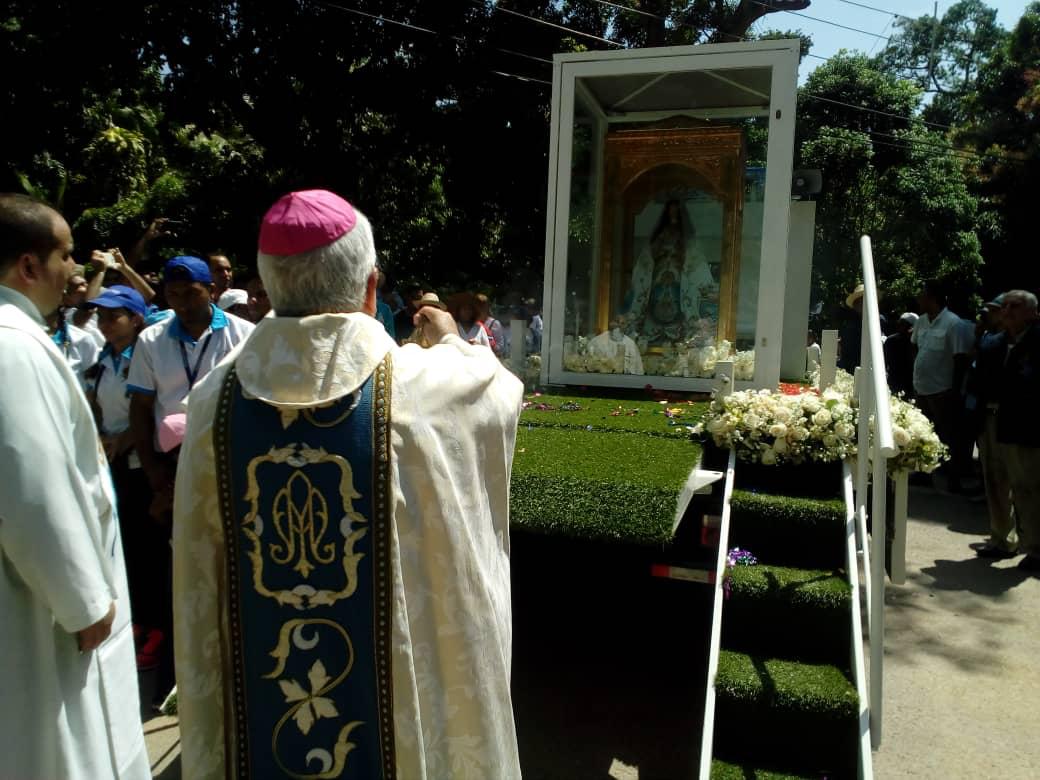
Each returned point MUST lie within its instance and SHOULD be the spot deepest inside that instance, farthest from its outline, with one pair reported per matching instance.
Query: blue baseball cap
(186, 268)
(120, 296)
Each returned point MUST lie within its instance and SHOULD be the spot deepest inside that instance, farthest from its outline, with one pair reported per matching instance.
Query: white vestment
(63, 714)
(454, 412)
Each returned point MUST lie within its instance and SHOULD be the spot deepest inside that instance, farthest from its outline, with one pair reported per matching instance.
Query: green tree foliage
(887, 175)
(945, 56)
(1004, 127)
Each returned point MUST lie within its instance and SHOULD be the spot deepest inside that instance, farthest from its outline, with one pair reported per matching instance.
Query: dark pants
(146, 546)
(947, 413)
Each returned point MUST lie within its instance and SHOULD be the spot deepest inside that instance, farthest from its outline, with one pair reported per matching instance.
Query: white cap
(908, 317)
(232, 297)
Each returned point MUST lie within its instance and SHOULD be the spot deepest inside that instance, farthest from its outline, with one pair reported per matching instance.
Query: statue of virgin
(669, 281)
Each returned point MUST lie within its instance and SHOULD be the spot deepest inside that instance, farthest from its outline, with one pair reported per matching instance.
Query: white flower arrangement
(919, 448)
(773, 427)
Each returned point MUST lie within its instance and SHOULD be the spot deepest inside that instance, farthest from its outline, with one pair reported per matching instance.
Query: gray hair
(332, 278)
(1025, 296)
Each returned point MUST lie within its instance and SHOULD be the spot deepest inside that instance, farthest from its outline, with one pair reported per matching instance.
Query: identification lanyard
(192, 375)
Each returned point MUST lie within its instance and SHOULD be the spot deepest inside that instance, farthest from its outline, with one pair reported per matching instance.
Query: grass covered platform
(670, 419)
(604, 485)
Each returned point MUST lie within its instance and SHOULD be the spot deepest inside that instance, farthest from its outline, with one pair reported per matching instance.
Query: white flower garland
(773, 427)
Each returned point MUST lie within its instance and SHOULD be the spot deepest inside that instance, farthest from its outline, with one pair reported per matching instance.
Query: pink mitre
(305, 220)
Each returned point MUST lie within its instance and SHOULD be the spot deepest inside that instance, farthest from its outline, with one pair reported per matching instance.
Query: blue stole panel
(305, 505)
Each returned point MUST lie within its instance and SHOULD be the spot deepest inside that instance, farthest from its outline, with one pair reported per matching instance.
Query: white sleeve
(43, 530)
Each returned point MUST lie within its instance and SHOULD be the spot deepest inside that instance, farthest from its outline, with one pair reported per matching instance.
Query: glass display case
(669, 197)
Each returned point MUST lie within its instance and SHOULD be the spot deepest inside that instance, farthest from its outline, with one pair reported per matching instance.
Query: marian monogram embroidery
(300, 536)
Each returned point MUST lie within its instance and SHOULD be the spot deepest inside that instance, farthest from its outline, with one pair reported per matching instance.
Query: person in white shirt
(121, 313)
(78, 347)
(171, 356)
(168, 360)
(943, 354)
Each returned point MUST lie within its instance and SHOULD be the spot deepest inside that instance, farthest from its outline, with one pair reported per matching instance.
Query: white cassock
(63, 714)
(454, 412)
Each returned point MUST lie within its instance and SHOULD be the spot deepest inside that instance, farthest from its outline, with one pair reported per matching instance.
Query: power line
(824, 21)
(875, 111)
(875, 8)
(521, 78)
(578, 32)
(497, 7)
(377, 17)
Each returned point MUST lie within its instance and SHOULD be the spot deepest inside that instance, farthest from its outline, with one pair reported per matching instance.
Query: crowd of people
(978, 380)
(298, 489)
(311, 487)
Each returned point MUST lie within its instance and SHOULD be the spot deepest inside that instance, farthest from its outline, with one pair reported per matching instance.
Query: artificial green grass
(788, 613)
(775, 587)
(798, 717)
(783, 686)
(605, 486)
(789, 531)
(723, 770)
(643, 416)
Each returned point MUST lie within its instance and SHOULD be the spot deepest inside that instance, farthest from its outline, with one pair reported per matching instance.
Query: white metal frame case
(781, 57)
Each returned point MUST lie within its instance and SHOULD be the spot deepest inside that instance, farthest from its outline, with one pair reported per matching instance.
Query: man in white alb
(68, 681)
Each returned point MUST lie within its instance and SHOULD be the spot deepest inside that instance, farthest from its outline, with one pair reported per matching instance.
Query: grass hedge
(645, 416)
(614, 486)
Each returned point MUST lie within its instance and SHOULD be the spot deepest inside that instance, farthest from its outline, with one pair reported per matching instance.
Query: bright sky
(828, 39)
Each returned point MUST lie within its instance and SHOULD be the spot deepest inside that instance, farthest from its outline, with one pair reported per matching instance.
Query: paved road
(962, 648)
(609, 666)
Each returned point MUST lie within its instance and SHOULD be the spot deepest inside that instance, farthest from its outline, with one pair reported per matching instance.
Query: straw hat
(430, 299)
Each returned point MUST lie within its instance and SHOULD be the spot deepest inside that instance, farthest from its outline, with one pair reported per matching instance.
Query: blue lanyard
(188, 372)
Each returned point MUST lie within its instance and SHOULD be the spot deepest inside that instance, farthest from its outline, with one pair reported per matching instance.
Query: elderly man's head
(1019, 310)
(317, 256)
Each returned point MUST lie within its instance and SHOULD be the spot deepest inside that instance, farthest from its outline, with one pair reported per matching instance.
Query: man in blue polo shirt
(169, 359)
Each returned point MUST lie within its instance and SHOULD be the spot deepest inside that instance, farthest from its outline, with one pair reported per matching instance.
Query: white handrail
(872, 337)
(874, 403)
(708, 728)
(859, 673)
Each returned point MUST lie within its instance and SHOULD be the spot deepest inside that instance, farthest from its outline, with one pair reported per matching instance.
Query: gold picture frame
(641, 164)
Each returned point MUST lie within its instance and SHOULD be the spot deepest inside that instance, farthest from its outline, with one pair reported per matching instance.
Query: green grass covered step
(786, 686)
(790, 613)
(780, 713)
(789, 531)
(577, 483)
(670, 419)
(723, 770)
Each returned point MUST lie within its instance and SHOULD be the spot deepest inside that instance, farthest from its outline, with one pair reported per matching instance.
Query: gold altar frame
(640, 164)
